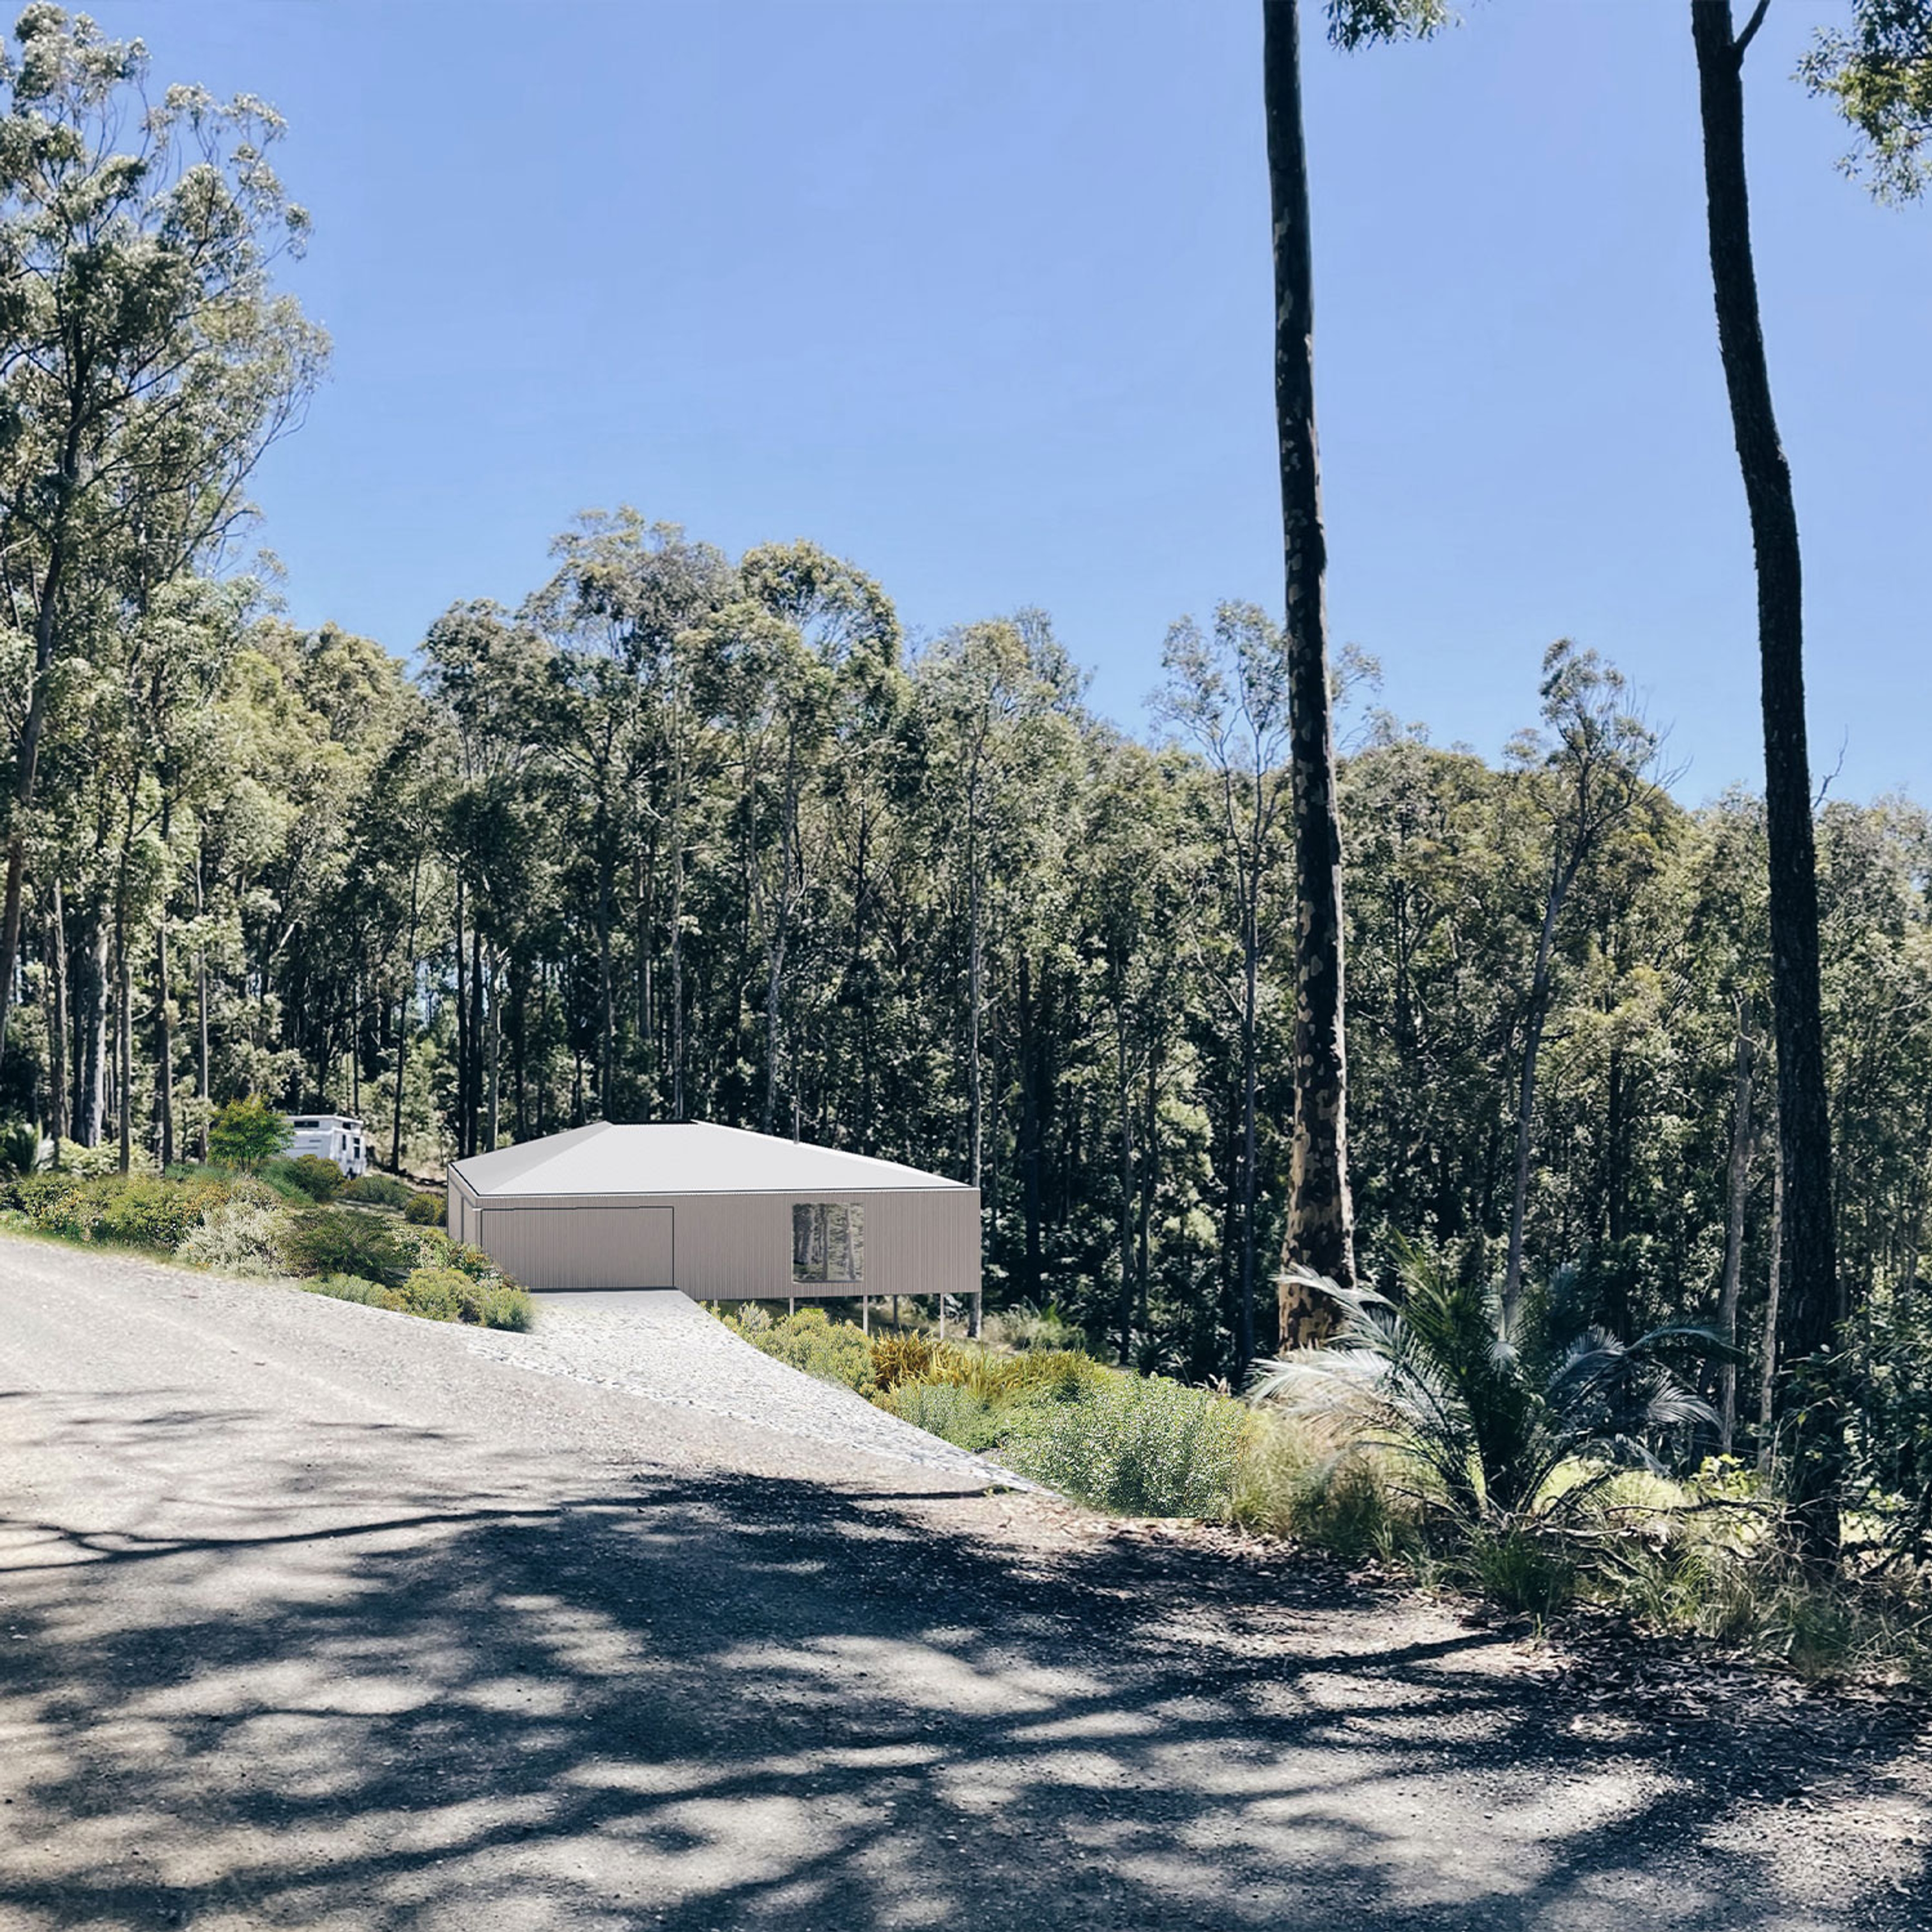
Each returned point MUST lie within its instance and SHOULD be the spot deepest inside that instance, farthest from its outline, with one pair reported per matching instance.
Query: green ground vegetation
(271, 1226)
(1543, 1469)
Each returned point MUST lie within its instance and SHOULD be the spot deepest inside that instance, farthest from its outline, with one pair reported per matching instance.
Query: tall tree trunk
(1244, 1310)
(1029, 1149)
(473, 1105)
(403, 1020)
(1768, 1388)
(1320, 1215)
(94, 1073)
(1562, 875)
(27, 747)
(463, 1147)
(677, 970)
(1149, 1179)
(124, 1035)
(1616, 1214)
(1815, 1444)
(164, 1046)
(975, 996)
(1736, 1177)
(57, 1078)
(496, 1029)
(1123, 1091)
(201, 1087)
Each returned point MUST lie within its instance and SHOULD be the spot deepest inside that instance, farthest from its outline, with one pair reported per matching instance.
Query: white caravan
(335, 1137)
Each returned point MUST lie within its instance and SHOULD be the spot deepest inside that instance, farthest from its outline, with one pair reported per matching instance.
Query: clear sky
(978, 296)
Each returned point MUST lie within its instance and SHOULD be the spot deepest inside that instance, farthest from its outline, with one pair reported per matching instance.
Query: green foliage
(19, 1147)
(241, 1236)
(377, 1190)
(343, 1240)
(321, 1180)
(1292, 1482)
(1879, 76)
(1137, 1446)
(246, 1135)
(1521, 1569)
(1444, 1380)
(834, 1351)
(426, 1210)
(352, 1287)
(145, 1211)
(437, 1294)
(129, 1211)
(901, 1358)
(950, 1410)
(1024, 1327)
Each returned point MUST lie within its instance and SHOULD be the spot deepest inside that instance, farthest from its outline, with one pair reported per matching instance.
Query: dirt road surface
(314, 1616)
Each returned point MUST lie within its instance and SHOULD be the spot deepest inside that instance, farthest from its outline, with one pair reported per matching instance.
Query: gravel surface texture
(314, 1616)
(659, 1344)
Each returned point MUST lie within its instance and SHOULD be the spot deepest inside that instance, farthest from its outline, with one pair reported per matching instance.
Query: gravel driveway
(661, 1345)
(316, 1617)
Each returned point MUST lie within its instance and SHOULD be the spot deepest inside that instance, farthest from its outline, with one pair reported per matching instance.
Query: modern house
(720, 1213)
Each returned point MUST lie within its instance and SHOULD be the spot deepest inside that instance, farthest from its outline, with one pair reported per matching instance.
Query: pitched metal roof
(690, 1157)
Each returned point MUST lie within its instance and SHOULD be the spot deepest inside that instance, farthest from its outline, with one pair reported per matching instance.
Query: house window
(828, 1241)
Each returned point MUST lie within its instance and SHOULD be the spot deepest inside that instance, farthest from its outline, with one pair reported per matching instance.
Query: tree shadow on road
(731, 1700)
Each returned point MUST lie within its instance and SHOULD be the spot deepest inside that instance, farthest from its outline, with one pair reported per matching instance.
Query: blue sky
(978, 296)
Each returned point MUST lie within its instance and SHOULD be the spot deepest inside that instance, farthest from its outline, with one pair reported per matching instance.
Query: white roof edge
(622, 1161)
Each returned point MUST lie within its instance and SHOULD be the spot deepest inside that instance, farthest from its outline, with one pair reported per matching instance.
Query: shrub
(239, 1236)
(1139, 1447)
(949, 1410)
(87, 1162)
(1521, 1569)
(320, 1179)
(834, 1351)
(54, 1204)
(246, 1135)
(1024, 1326)
(343, 1240)
(908, 1358)
(148, 1212)
(1291, 1481)
(377, 1190)
(505, 1305)
(1470, 1399)
(442, 1295)
(19, 1147)
(1046, 1374)
(426, 1210)
(352, 1287)
(436, 1294)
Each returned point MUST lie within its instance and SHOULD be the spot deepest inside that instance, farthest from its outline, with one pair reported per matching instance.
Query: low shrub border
(271, 1228)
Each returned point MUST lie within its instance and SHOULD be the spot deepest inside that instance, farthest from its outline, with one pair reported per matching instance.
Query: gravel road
(313, 1616)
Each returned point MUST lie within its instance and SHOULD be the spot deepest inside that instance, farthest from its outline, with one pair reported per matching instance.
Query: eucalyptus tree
(146, 362)
(998, 711)
(1321, 1215)
(1591, 774)
(1811, 1291)
(1879, 76)
(625, 596)
(1228, 695)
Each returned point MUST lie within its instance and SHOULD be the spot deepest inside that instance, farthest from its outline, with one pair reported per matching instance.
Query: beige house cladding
(721, 1214)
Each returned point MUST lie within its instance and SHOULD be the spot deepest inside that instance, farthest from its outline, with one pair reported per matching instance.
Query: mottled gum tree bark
(1321, 1218)
(1810, 1310)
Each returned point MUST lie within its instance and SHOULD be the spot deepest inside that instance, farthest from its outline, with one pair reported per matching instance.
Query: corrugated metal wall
(727, 1246)
(581, 1247)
